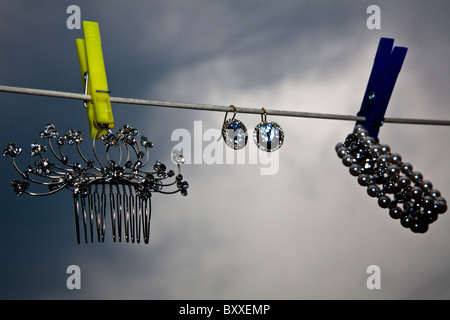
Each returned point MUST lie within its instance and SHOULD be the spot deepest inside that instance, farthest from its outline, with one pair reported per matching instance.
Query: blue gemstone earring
(234, 132)
(268, 135)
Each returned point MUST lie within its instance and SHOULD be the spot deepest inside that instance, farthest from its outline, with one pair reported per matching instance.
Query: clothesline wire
(219, 108)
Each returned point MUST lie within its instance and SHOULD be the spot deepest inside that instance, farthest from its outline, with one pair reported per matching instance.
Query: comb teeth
(130, 214)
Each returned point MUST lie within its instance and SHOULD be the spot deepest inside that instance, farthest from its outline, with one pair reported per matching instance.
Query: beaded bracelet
(399, 188)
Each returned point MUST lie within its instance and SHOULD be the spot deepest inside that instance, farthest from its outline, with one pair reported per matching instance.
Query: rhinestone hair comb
(118, 187)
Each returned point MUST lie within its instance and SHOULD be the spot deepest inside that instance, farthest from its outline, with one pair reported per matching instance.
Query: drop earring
(234, 132)
(268, 135)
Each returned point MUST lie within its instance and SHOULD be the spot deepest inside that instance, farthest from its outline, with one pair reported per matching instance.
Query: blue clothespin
(386, 67)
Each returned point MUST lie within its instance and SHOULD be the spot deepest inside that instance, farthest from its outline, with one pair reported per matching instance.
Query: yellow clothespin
(93, 75)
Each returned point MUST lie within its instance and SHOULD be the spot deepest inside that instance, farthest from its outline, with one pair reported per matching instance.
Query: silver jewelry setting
(268, 135)
(234, 132)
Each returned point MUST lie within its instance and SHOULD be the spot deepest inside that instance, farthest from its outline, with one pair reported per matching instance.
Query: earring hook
(264, 115)
(234, 115)
(225, 118)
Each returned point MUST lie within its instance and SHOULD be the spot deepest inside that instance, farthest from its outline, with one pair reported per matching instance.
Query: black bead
(406, 167)
(435, 193)
(364, 179)
(404, 181)
(373, 190)
(428, 202)
(338, 145)
(440, 205)
(430, 216)
(355, 169)
(426, 185)
(395, 213)
(419, 226)
(416, 177)
(405, 221)
(416, 192)
(384, 202)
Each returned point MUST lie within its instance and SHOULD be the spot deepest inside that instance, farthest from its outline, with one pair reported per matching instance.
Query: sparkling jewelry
(406, 194)
(103, 185)
(268, 135)
(234, 132)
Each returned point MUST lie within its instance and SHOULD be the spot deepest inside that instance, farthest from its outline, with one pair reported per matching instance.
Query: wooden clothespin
(93, 75)
(386, 67)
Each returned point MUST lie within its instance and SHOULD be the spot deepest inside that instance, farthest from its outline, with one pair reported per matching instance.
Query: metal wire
(218, 108)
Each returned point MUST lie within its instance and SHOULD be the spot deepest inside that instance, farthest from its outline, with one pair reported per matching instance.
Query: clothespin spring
(86, 80)
(86, 84)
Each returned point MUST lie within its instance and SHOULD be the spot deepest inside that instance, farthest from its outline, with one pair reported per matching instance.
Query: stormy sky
(307, 230)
